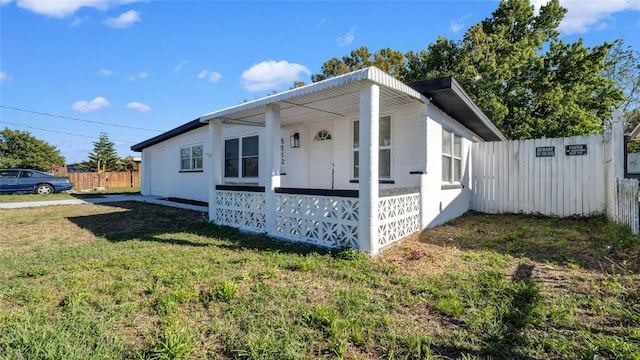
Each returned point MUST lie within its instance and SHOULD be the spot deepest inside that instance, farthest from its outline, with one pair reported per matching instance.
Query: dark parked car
(32, 181)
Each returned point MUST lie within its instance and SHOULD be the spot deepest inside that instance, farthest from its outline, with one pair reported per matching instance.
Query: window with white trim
(191, 158)
(384, 148)
(451, 157)
(241, 157)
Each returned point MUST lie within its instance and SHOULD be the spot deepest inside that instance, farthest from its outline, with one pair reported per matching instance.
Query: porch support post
(215, 136)
(368, 173)
(272, 157)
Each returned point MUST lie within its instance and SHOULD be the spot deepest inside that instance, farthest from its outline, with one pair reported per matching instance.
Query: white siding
(164, 177)
(408, 149)
(157, 177)
(445, 204)
(416, 147)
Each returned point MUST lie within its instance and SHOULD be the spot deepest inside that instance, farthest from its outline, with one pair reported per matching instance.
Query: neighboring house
(632, 159)
(357, 160)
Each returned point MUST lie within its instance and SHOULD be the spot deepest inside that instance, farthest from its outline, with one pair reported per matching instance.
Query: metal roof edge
(371, 73)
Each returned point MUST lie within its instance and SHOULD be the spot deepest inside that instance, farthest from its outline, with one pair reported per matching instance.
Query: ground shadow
(97, 194)
(158, 223)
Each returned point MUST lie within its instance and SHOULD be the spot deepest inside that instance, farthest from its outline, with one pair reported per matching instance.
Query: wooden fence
(92, 180)
(554, 177)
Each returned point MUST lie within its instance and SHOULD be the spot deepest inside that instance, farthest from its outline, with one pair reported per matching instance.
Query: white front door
(321, 159)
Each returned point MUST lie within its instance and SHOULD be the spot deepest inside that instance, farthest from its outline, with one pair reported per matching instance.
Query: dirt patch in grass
(414, 256)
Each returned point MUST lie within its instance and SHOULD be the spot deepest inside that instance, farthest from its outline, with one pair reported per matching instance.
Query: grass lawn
(67, 195)
(133, 280)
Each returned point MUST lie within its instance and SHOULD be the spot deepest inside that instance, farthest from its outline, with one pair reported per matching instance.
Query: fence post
(617, 154)
(617, 132)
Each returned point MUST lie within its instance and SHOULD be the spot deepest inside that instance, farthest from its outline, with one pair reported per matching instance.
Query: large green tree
(104, 156)
(20, 149)
(517, 69)
(625, 72)
(391, 61)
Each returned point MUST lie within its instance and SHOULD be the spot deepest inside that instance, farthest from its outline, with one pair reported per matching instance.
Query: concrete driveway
(105, 199)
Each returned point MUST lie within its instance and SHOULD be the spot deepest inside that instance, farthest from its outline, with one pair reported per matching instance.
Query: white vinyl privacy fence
(579, 175)
(555, 177)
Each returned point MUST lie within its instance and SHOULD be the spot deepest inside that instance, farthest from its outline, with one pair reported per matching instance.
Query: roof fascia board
(462, 95)
(191, 125)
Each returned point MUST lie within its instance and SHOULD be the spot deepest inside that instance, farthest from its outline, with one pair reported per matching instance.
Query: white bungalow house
(358, 160)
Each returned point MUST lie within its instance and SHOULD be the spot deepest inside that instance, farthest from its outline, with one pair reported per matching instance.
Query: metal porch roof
(338, 96)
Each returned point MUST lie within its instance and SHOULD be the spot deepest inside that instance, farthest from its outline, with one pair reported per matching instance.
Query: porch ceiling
(336, 97)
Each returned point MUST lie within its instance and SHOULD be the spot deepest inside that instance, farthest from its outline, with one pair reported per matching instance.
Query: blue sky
(134, 69)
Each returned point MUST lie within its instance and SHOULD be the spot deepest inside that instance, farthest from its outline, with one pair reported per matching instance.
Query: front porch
(250, 188)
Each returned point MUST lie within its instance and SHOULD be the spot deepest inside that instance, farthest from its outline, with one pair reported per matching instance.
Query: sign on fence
(573, 150)
(545, 151)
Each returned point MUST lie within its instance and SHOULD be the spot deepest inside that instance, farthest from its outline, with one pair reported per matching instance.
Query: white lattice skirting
(322, 220)
(240, 209)
(398, 217)
(329, 221)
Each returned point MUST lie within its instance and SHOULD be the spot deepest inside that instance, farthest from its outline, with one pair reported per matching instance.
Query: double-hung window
(191, 158)
(241, 157)
(384, 148)
(451, 157)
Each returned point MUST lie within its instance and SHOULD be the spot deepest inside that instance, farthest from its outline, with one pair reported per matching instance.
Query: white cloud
(458, 24)
(270, 75)
(89, 106)
(4, 2)
(141, 75)
(180, 65)
(143, 108)
(4, 77)
(212, 76)
(105, 72)
(584, 16)
(63, 8)
(347, 39)
(124, 20)
(77, 22)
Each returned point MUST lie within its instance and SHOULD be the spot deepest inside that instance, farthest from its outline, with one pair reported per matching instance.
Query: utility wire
(62, 132)
(76, 119)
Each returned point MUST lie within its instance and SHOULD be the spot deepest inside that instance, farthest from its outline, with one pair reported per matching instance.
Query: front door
(321, 159)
